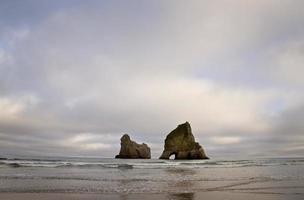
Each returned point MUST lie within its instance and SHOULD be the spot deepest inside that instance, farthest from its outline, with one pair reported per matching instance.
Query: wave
(149, 164)
(244, 163)
(13, 165)
(67, 165)
(96, 165)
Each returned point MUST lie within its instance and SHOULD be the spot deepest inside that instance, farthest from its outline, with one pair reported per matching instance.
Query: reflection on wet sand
(181, 196)
(182, 183)
(180, 171)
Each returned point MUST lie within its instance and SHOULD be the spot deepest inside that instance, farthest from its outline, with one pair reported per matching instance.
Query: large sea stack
(181, 143)
(130, 149)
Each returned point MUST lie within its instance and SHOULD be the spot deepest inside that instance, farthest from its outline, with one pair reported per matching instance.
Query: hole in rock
(172, 156)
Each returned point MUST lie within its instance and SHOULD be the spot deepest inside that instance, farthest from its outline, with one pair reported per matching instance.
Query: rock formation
(181, 143)
(130, 149)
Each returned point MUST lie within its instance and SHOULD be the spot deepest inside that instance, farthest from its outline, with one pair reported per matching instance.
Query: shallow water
(282, 176)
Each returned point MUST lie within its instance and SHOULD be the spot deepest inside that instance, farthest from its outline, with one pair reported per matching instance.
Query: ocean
(273, 176)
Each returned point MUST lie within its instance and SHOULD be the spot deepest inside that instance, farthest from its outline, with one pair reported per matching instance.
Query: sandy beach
(83, 178)
(182, 196)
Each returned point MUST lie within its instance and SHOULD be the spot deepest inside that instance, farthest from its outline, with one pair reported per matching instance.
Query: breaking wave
(142, 164)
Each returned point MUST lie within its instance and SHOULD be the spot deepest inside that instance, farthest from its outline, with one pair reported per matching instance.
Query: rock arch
(181, 142)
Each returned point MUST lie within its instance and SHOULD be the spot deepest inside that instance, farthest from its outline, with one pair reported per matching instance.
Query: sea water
(105, 175)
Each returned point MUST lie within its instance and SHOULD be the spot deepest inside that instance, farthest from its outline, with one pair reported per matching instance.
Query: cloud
(12, 107)
(75, 77)
(287, 62)
(9, 108)
(226, 140)
(84, 142)
(4, 57)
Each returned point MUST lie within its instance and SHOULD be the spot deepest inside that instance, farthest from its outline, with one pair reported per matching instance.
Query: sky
(76, 75)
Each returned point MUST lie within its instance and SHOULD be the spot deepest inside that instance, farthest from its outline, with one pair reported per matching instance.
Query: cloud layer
(75, 76)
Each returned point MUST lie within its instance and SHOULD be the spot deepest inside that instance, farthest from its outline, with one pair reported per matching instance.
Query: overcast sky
(76, 75)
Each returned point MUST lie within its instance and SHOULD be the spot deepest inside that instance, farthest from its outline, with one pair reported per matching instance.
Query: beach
(177, 196)
(99, 178)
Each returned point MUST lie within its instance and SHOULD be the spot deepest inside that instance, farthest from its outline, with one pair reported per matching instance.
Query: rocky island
(130, 149)
(181, 143)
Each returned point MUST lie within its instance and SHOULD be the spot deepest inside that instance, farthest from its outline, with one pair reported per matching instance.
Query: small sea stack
(130, 149)
(181, 143)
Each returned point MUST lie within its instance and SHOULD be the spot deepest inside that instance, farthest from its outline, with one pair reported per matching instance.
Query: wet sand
(183, 196)
(264, 179)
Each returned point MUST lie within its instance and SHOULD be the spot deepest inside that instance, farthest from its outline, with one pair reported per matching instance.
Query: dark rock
(130, 149)
(181, 143)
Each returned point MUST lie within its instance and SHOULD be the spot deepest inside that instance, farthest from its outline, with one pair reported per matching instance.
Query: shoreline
(89, 179)
(214, 195)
